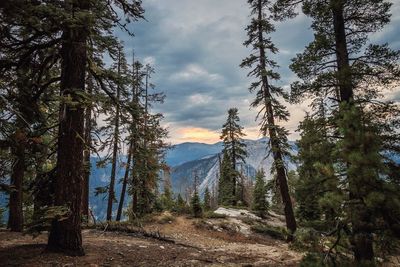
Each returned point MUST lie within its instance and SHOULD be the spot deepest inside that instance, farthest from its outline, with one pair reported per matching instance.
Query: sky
(196, 47)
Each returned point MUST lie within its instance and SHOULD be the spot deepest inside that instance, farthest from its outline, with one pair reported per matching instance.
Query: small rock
(162, 247)
(142, 246)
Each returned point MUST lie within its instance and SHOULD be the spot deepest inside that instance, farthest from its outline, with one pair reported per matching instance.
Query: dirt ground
(194, 247)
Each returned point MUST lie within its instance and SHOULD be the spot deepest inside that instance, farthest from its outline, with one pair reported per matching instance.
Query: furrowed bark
(65, 235)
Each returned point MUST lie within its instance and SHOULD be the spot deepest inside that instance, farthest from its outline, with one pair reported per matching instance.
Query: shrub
(249, 221)
(274, 232)
(213, 215)
(180, 206)
(197, 211)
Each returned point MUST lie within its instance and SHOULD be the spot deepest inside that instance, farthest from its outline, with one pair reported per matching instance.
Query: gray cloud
(197, 47)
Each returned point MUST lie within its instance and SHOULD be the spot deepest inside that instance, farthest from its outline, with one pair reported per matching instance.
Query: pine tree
(233, 145)
(167, 196)
(260, 203)
(317, 190)
(116, 137)
(124, 183)
(23, 80)
(180, 205)
(195, 202)
(342, 64)
(225, 182)
(267, 97)
(149, 146)
(57, 34)
(207, 200)
(131, 120)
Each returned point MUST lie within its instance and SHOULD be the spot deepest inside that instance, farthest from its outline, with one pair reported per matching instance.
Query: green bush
(213, 215)
(274, 232)
(306, 239)
(312, 260)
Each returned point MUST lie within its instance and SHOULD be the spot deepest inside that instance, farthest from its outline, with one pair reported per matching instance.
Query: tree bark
(65, 235)
(16, 218)
(361, 239)
(234, 177)
(275, 146)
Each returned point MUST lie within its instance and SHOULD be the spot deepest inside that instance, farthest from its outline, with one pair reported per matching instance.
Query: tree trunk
(65, 235)
(86, 154)
(111, 191)
(124, 183)
(16, 219)
(234, 177)
(275, 146)
(361, 238)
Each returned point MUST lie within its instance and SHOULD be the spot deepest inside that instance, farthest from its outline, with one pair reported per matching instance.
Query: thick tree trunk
(86, 155)
(361, 239)
(124, 183)
(65, 235)
(111, 191)
(275, 146)
(16, 218)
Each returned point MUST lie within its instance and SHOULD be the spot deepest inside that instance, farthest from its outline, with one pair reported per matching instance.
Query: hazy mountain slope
(208, 168)
(185, 152)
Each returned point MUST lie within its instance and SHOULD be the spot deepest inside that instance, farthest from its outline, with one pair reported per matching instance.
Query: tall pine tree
(267, 97)
(342, 64)
(232, 134)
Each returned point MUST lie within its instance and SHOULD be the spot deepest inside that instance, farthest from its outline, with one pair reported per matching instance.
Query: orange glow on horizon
(194, 134)
(203, 135)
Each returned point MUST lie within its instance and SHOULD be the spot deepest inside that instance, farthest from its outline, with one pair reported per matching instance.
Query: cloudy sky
(196, 48)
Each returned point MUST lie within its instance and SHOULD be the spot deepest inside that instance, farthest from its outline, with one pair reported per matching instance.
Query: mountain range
(185, 159)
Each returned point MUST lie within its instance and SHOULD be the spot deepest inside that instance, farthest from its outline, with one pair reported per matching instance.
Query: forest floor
(195, 244)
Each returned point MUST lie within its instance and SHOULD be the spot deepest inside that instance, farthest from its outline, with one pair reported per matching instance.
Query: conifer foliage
(60, 36)
(207, 200)
(234, 152)
(342, 68)
(195, 202)
(260, 203)
(317, 191)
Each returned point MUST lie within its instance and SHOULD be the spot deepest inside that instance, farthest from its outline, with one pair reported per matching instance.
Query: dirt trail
(210, 248)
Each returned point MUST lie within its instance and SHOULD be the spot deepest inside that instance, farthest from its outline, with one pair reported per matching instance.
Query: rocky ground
(197, 242)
